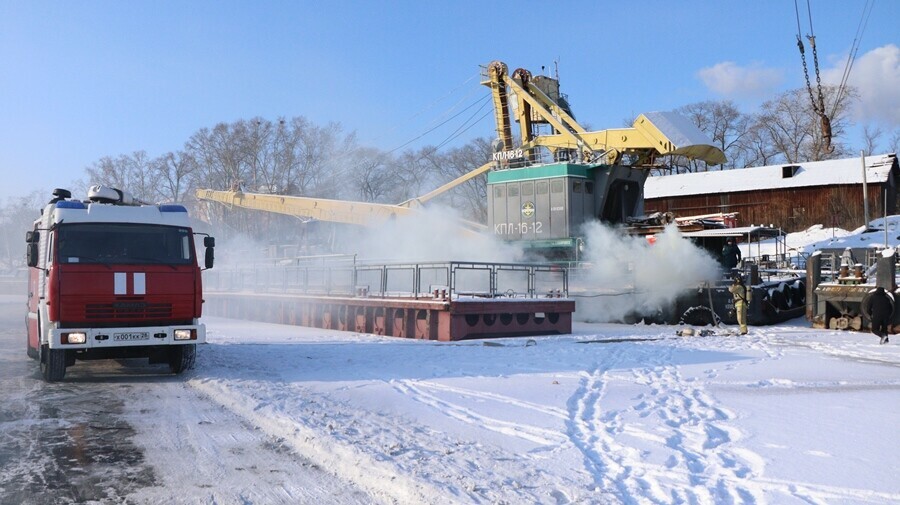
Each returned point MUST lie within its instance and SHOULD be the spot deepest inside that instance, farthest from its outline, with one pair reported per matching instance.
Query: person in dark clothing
(881, 308)
(731, 255)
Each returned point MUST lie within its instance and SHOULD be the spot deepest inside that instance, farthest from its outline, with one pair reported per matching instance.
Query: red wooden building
(790, 196)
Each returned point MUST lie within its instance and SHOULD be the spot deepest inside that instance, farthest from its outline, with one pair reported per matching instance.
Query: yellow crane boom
(322, 209)
(338, 211)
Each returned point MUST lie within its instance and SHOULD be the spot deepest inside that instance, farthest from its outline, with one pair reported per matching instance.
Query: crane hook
(826, 134)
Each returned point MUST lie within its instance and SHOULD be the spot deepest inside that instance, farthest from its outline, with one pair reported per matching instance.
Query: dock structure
(443, 301)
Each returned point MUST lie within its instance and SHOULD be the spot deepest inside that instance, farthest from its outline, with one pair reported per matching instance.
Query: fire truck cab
(111, 277)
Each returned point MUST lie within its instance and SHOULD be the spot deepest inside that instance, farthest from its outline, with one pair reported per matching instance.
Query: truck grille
(127, 310)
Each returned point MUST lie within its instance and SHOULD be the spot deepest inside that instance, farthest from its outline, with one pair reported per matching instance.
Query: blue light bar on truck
(66, 204)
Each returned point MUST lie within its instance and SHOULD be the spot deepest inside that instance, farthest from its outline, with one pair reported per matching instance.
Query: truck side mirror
(31, 255)
(210, 256)
(32, 237)
(209, 243)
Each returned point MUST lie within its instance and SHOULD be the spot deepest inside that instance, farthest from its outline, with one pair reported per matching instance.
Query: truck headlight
(73, 338)
(185, 334)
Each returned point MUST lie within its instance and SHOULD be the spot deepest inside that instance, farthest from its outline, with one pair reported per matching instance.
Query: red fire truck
(111, 277)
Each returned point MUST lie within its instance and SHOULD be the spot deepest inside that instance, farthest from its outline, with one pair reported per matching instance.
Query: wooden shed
(790, 196)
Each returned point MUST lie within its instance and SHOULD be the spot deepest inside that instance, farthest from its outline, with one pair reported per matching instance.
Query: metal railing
(346, 276)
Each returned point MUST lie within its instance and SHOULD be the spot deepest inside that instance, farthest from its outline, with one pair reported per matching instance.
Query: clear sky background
(80, 80)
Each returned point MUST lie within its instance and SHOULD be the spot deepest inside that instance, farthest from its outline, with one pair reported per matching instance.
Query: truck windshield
(136, 244)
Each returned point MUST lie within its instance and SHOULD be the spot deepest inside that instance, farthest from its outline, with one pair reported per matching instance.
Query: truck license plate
(131, 336)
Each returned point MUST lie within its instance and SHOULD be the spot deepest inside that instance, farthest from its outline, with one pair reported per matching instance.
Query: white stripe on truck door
(120, 283)
(140, 284)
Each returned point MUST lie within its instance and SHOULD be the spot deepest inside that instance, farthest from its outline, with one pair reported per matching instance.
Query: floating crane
(593, 175)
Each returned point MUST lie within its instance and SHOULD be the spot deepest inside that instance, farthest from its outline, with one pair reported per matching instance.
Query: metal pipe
(885, 219)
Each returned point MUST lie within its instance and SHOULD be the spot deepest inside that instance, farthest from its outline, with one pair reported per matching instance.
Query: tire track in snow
(529, 479)
(400, 461)
(541, 408)
(340, 458)
(542, 436)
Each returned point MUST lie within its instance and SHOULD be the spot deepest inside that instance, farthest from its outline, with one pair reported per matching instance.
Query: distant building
(790, 196)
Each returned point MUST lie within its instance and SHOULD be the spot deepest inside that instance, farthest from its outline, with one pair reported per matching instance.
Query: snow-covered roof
(817, 173)
(79, 212)
(677, 128)
(753, 231)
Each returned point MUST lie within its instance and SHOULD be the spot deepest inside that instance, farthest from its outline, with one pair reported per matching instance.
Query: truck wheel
(698, 316)
(181, 357)
(53, 364)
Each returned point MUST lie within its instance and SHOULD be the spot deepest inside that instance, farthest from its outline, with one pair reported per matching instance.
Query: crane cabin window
(124, 244)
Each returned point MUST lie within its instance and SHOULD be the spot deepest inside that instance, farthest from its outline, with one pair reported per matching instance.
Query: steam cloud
(628, 276)
(625, 277)
(434, 234)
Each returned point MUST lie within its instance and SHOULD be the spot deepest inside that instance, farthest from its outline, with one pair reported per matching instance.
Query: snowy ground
(618, 414)
(611, 414)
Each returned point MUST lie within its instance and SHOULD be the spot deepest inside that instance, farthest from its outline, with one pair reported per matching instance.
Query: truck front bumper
(94, 338)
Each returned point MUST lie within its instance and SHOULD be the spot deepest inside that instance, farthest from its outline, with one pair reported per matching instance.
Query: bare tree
(894, 143)
(871, 134)
(17, 217)
(417, 172)
(220, 156)
(724, 124)
(173, 173)
(756, 148)
(790, 125)
(374, 178)
(132, 173)
(290, 157)
(469, 197)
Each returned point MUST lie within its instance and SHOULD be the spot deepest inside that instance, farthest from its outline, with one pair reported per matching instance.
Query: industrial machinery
(838, 296)
(590, 176)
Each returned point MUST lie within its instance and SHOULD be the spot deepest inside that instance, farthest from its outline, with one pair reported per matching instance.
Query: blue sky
(82, 80)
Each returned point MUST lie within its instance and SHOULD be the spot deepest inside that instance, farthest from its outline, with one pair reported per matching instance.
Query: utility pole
(862, 158)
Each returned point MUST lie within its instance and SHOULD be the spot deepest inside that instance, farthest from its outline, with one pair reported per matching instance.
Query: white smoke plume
(626, 277)
(433, 234)
(629, 276)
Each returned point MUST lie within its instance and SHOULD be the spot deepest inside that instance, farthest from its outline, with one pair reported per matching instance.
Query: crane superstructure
(536, 100)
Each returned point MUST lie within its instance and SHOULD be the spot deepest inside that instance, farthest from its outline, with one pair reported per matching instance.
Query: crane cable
(854, 48)
(818, 107)
(483, 101)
